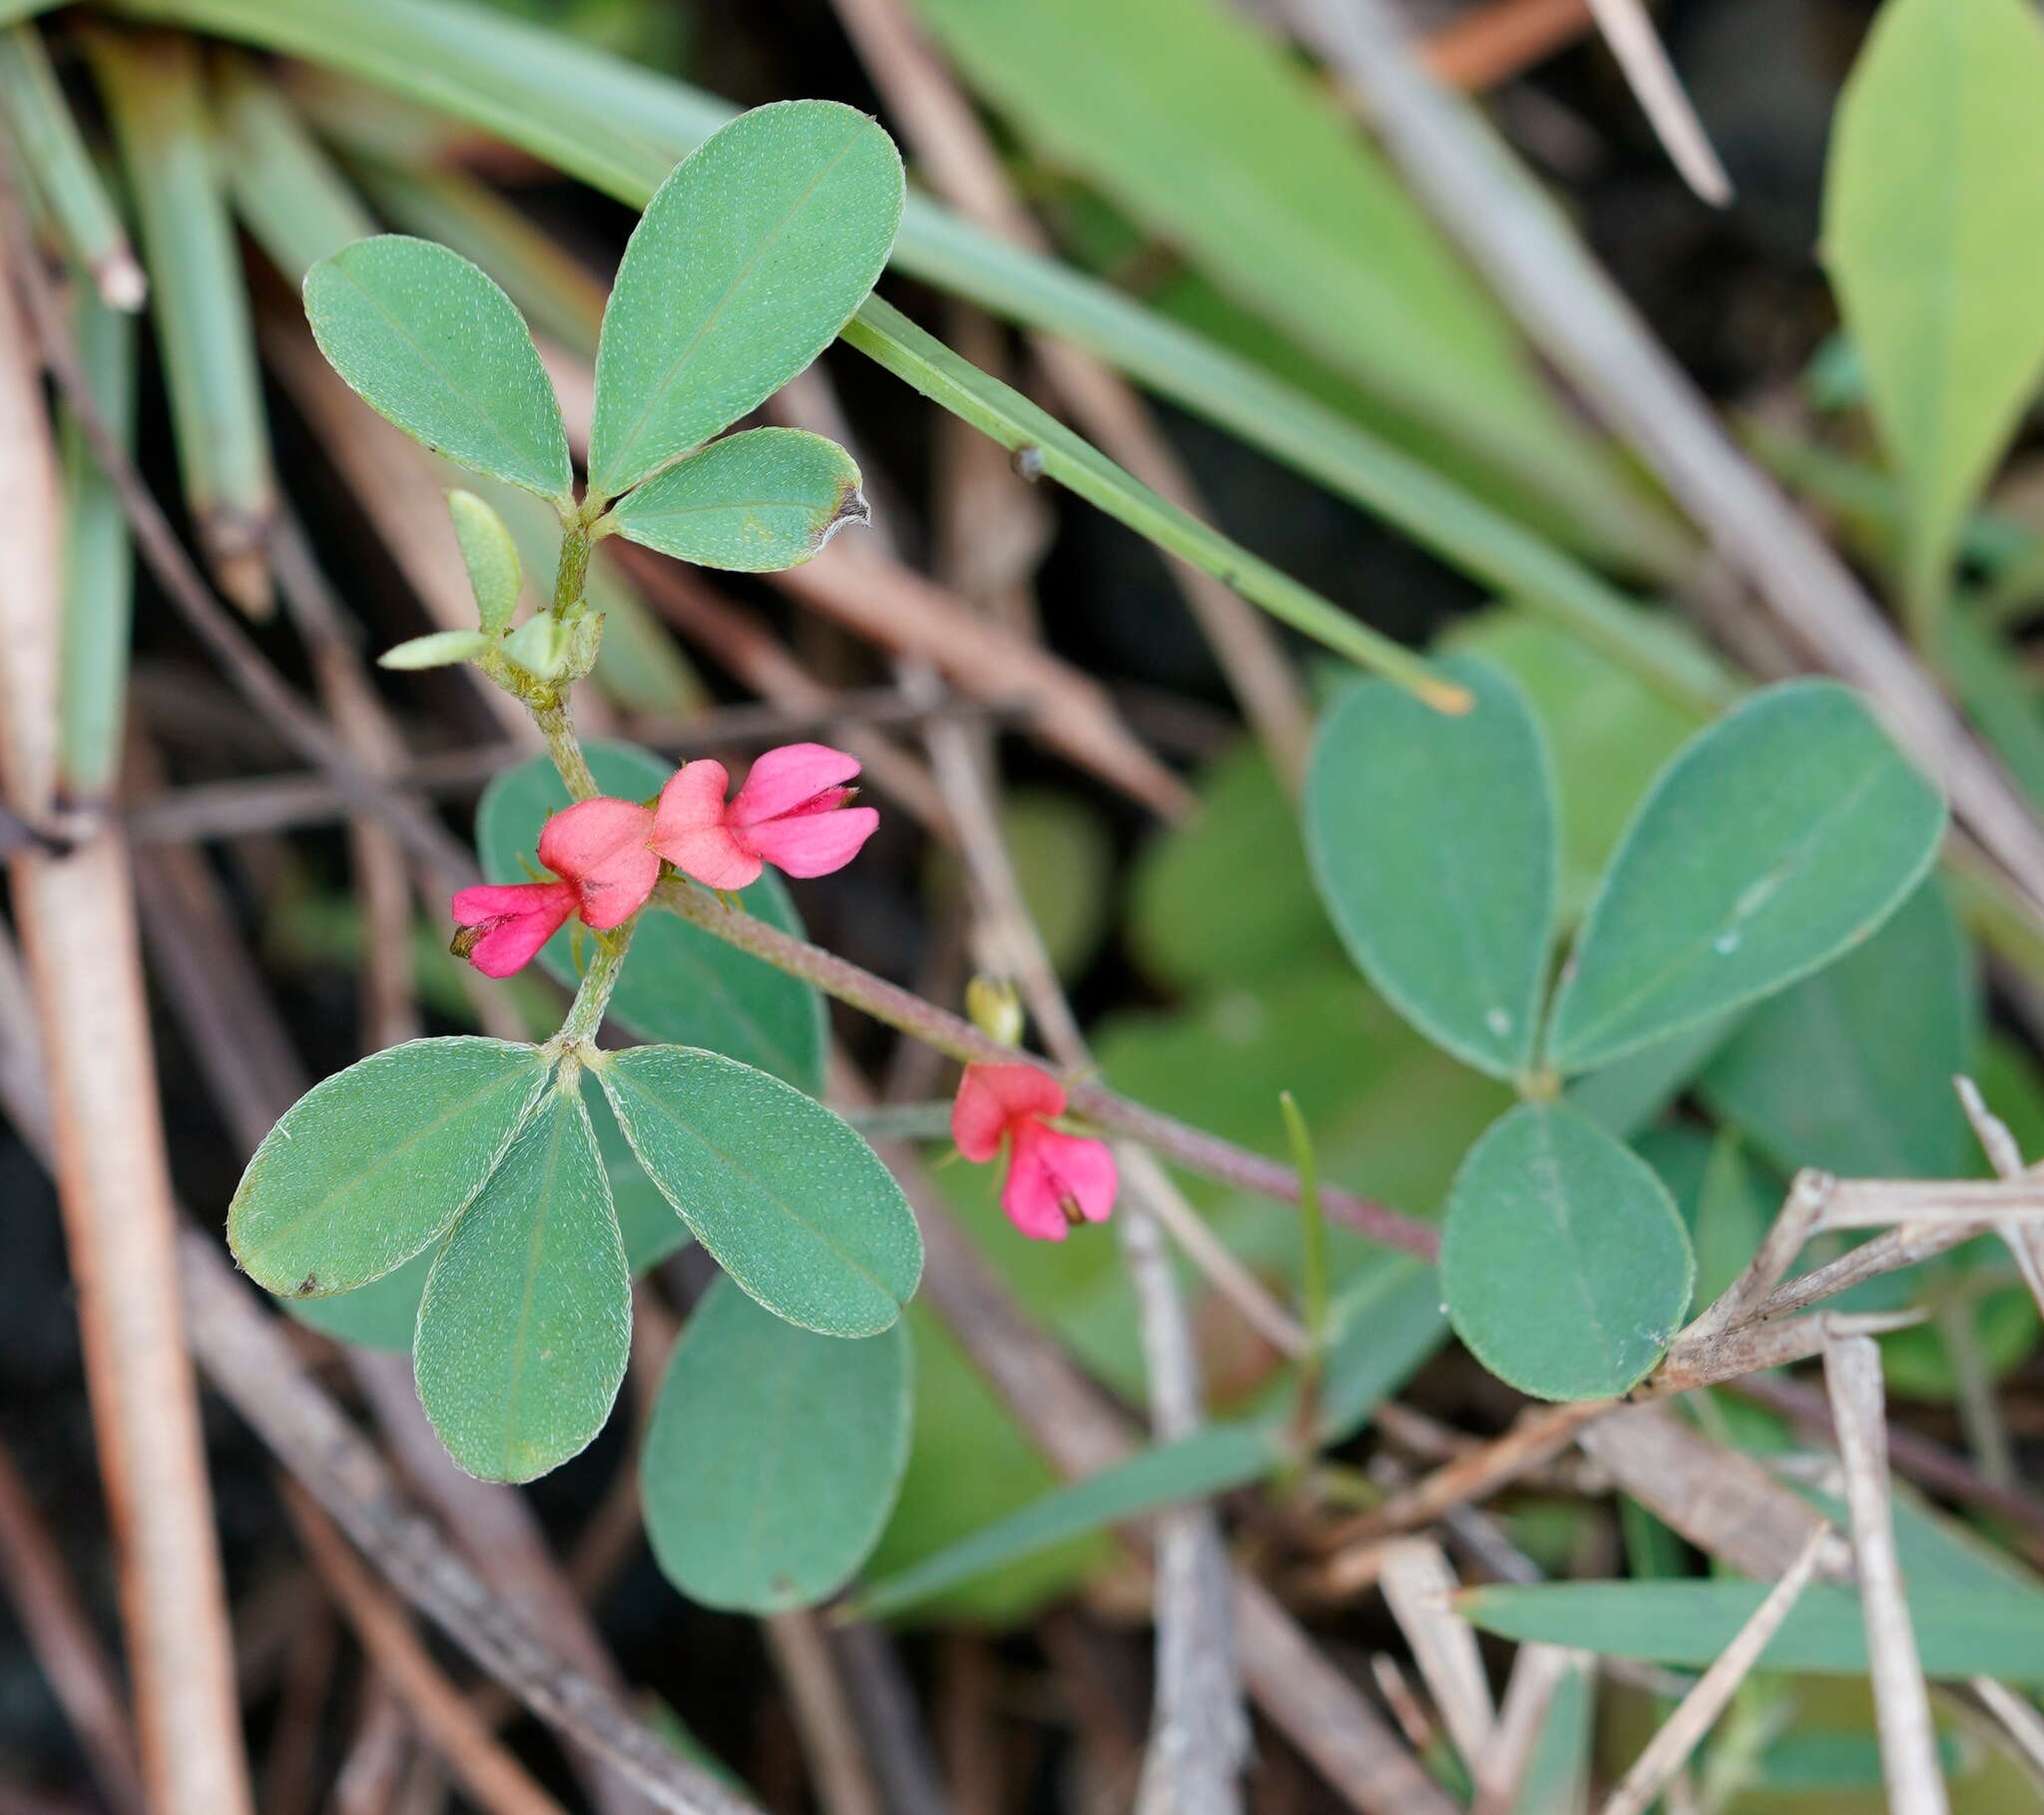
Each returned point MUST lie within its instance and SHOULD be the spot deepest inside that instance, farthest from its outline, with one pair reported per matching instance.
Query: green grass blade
(296, 205)
(155, 93)
(98, 569)
(52, 148)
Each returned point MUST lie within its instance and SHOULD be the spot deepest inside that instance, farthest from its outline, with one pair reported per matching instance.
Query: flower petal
(813, 844)
(692, 799)
(600, 848)
(1030, 1193)
(994, 1100)
(1081, 1170)
(786, 779)
(713, 856)
(515, 919)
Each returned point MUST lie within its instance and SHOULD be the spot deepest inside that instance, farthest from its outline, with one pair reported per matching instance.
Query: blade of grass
(62, 169)
(1042, 444)
(99, 565)
(620, 128)
(155, 92)
(296, 206)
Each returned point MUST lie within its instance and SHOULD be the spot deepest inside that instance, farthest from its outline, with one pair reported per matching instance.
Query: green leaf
(680, 985)
(1958, 1634)
(1934, 237)
(755, 503)
(385, 1314)
(436, 648)
(774, 1455)
(1191, 921)
(1564, 1260)
(747, 261)
(1786, 832)
(372, 1165)
(1384, 1338)
(526, 1325)
(491, 557)
(1852, 1069)
(790, 1202)
(1433, 837)
(427, 340)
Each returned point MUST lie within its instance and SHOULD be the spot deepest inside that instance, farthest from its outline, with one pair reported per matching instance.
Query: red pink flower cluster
(794, 812)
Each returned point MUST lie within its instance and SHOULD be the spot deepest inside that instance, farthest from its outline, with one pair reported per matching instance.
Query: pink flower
(793, 812)
(598, 850)
(1054, 1180)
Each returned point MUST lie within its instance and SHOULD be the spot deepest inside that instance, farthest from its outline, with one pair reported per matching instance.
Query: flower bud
(995, 1009)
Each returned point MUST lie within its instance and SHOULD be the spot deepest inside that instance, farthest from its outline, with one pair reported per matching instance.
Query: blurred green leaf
(1934, 237)
(747, 261)
(1851, 1069)
(1557, 1776)
(969, 1464)
(526, 1323)
(753, 503)
(1433, 839)
(773, 1457)
(1783, 834)
(375, 1163)
(790, 1202)
(429, 340)
(1565, 1264)
(1690, 1623)
(1192, 917)
(680, 985)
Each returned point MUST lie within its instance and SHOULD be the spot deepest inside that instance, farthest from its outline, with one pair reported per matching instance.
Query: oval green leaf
(748, 260)
(1786, 832)
(774, 1455)
(1851, 1069)
(385, 1314)
(1934, 237)
(680, 985)
(755, 503)
(526, 1323)
(1563, 1259)
(1433, 840)
(791, 1202)
(369, 1167)
(427, 340)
